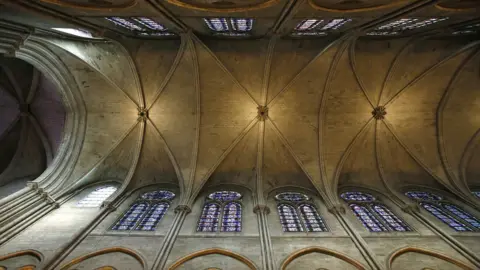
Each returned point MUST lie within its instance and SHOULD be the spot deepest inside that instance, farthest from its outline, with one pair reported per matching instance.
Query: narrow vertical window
(96, 197)
(447, 212)
(224, 206)
(374, 215)
(289, 218)
(298, 213)
(146, 212)
(229, 26)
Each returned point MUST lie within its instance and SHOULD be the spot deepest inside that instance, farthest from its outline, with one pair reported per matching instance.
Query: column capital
(337, 209)
(183, 208)
(260, 208)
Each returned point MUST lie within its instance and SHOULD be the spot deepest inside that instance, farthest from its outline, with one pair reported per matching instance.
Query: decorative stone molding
(32, 185)
(410, 208)
(338, 208)
(262, 113)
(183, 208)
(261, 208)
(109, 205)
(379, 112)
(142, 114)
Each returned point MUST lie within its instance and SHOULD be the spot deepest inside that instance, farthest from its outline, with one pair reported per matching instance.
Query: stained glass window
(229, 27)
(130, 218)
(368, 219)
(142, 26)
(292, 197)
(319, 27)
(95, 198)
(312, 220)
(476, 193)
(445, 217)
(405, 24)
(146, 212)
(289, 218)
(217, 24)
(423, 196)
(357, 196)
(241, 24)
(224, 196)
(394, 222)
(309, 24)
(209, 219)
(232, 217)
(462, 214)
(154, 215)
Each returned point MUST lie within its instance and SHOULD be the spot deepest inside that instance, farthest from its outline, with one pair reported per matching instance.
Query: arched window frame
(440, 204)
(301, 200)
(476, 193)
(151, 205)
(81, 203)
(368, 202)
(219, 227)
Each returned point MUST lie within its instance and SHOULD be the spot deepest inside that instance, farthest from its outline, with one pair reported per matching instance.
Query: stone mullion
(181, 211)
(379, 218)
(414, 211)
(369, 256)
(459, 219)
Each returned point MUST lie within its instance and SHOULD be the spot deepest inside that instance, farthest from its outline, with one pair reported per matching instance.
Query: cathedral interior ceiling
(318, 114)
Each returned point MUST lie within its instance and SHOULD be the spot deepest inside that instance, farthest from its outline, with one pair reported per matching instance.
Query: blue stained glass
(394, 222)
(368, 219)
(130, 218)
(312, 220)
(209, 219)
(467, 217)
(445, 217)
(423, 196)
(357, 196)
(476, 193)
(158, 195)
(232, 217)
(225, 196)
(153, 217)
(289, 218)
(241, 24)
(292, 197)
(216, 24)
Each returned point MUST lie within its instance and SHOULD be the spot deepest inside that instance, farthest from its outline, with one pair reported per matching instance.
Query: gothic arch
(219, 251)
(29, 252)
(322, 250)
(123, 250)
(427, 252)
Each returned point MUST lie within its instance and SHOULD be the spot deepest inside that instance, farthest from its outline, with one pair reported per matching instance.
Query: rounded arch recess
(123, 250)
(396, 254)
(218, 251)
(309, 250)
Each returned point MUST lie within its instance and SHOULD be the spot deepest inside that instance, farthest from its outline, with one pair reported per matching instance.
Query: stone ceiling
(319, 114)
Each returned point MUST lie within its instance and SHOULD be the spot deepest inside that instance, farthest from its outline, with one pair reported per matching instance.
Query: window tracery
(226, 203)
(452, 215)
(146, 212)
(319, 27)
(142, 26)
(297, 213)
(229, 26)
(96, 197)
(375, 216)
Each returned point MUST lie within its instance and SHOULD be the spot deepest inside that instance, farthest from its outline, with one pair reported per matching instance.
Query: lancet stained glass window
(311, 219)
(289, 218)
(375, 216)
(232, 217)
(319, 27)
(142, 26)
(297, 213)
(224, 203)
(96, 197)
(450, 214)
(229, 26)
(476, 193)
(146, 212)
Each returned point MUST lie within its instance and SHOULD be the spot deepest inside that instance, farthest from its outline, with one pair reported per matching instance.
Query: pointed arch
(427, 252)
(127, 251)
(219, 251)
(322, 250)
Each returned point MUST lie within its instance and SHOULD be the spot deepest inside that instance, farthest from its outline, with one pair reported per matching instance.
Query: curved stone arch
(210, 251)
(34, 52)
(28, 252)
(127, 251)
(397, 253)
(321, 250)
(93, 7)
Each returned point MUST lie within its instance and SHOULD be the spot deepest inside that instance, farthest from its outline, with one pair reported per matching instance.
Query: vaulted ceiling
(323, 113)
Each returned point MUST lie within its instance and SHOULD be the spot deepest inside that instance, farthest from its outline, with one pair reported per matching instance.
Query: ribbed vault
(373, 113)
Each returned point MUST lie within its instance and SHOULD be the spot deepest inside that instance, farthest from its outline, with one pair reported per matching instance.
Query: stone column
(262, 211)
(339, 212)
(181, 211)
